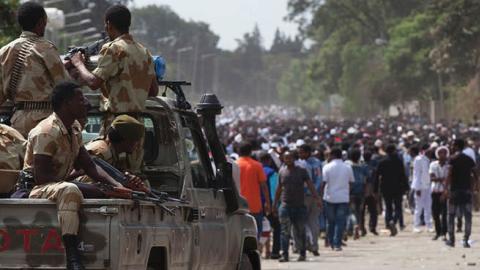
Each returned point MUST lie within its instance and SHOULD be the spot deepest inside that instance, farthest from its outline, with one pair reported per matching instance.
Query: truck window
(199, 174)
(93, 125)
(197, 152)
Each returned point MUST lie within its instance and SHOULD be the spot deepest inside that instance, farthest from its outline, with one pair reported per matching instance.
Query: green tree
(353, 53)
(9, 29)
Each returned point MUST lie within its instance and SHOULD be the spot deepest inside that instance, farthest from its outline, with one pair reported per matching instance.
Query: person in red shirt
(253, 182)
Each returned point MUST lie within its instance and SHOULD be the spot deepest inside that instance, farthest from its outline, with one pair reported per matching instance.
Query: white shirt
(471, 153)
(440, 171)
(337, 176)
(421, 176)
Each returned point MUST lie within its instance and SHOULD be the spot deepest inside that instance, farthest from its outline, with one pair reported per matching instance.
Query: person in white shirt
(337, 177)
(421, 186)
(438, 174)
(470, 153)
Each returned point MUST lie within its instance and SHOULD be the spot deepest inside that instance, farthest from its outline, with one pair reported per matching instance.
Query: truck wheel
(245, 263)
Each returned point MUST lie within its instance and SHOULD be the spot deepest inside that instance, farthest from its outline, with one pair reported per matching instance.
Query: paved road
(405, 251)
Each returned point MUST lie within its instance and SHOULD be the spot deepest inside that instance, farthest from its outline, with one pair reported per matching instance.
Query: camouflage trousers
(26, 120)
(134, 161)
(68, 198)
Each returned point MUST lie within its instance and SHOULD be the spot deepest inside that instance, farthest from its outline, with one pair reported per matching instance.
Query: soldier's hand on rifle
(78, 59)
(68, 64)
(134, 182)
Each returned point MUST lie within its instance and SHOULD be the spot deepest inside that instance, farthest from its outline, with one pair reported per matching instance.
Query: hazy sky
(230, 19)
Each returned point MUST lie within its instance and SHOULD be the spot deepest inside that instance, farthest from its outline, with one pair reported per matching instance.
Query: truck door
(209, 226)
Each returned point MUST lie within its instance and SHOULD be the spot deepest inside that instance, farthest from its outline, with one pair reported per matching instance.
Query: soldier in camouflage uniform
(30, 66)
(125, 72)
(122, 137)
(12, 151)
(54, 147)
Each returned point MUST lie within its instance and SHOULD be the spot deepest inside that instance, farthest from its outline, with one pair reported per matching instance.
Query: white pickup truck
(212, 231)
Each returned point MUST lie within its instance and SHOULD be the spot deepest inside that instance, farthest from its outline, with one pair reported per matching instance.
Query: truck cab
(183, 157)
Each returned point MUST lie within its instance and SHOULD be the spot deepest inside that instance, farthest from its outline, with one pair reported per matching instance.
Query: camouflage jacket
(12, 148)
(42, 69)
(103, 149)
(128, 70)
(51, 138)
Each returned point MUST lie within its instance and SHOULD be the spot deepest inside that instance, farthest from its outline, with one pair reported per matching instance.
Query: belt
(33, 105)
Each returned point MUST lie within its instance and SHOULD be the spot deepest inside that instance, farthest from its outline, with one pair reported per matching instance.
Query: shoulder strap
(18, 67)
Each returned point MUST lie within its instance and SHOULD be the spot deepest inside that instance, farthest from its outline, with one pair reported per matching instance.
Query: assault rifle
(138, 193)
(88, 50)
(114, 192)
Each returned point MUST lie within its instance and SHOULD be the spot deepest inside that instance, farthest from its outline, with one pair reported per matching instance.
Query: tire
(245, 263)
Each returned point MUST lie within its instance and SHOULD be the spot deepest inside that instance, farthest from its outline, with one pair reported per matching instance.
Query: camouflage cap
(128, 127)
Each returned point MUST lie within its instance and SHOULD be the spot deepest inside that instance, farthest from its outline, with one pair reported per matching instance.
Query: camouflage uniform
(130, 130)
(12, 151)
(127, 69)
(42, 69)
(50, 137)
(102, 149)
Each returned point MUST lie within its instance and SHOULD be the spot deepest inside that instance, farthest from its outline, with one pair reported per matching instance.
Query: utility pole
(203, 58)
(179, 62)
(441, 97)
(195, 63)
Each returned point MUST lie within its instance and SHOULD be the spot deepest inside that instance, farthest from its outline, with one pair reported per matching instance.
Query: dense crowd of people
(306, 176)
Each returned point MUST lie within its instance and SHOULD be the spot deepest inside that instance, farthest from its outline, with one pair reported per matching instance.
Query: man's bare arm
(85, 162)
(84, 74)
(278, 193)
(266, 195)
(311, 187)
(153, 91)
(43, 171)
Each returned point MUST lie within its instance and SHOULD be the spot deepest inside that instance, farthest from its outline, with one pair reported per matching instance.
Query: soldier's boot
(74, 262)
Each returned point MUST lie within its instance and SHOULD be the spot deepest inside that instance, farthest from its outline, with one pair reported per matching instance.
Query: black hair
(414, 150)
(119, 16)
(336, 153)
(367, 156)
(459, 143)
(355, 155)
(29, 14)
(425, 147)
(305, 147)
(245, 149)
(114, 136)
(63, 91)
(263, 156)
(391, 149)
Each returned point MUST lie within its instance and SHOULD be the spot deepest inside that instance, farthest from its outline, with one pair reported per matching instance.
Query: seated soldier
(12, 151)
(54, 147)
(123, 136)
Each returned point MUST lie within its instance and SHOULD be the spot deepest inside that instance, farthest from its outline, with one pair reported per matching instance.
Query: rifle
(88, 50)
(139, 193)
(114, 192)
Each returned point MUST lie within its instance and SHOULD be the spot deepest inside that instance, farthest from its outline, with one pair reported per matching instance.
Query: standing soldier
(30, 66)
(125, 72)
